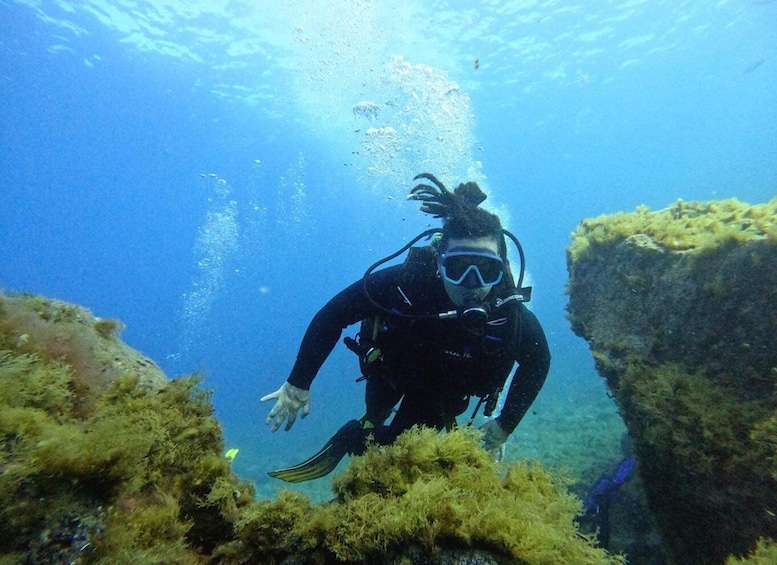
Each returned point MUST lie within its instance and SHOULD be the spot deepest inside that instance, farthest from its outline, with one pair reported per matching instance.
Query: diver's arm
(347, 307)
(533, 357)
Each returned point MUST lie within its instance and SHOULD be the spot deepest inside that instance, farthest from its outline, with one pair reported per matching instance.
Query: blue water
(197, 169)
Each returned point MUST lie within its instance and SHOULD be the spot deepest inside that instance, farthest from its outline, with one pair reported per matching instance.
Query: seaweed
(107, 469)
(765, 553)
(101, 458)
(432, 492)
(681, 227)
(678, 309)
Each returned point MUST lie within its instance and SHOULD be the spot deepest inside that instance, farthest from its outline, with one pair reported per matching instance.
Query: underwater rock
(70, 334)
(104, 460)
(764, 554)
(678, 307)
(426, 499)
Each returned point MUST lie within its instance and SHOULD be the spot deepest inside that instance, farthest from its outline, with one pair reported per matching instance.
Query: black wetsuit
(433, 365)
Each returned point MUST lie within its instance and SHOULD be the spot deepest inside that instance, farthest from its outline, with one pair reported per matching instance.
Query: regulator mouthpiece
(473, 314)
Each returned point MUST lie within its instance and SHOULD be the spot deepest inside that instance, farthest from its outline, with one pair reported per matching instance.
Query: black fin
(350, 438)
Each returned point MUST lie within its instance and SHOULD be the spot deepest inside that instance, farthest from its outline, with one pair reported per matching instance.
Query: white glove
(494, 438)
(290, 399)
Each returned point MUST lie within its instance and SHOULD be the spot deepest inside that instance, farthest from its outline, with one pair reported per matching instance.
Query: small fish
(754, 65)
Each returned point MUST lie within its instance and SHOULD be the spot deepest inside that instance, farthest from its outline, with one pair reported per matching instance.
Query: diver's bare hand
(289, 400)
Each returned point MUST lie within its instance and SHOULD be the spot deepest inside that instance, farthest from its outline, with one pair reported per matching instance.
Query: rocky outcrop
(105, 460)
(66, 333)
(679, 308)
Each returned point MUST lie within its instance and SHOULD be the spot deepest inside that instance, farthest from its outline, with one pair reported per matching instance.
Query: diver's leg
(380, 397)
(418, 407)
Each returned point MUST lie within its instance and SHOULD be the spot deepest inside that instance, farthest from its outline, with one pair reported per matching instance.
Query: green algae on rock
(680, 227)
(764, 554)
(104, 460)
(422, 495)
(65, 333)
(678, 309)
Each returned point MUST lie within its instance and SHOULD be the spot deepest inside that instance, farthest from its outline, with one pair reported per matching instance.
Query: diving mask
(471, 268)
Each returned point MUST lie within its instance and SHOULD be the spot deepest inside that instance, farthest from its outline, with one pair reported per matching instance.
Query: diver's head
(472, 254)
(469, 267)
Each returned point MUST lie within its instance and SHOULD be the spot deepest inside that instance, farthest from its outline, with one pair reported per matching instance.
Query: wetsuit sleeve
(348, 307)
(533, 357)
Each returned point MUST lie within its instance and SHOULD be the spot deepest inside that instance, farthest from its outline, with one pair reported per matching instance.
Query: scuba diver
(447, 324)
(595, 517)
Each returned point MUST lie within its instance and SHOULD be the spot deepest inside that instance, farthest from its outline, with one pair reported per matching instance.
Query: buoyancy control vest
(405, 330)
